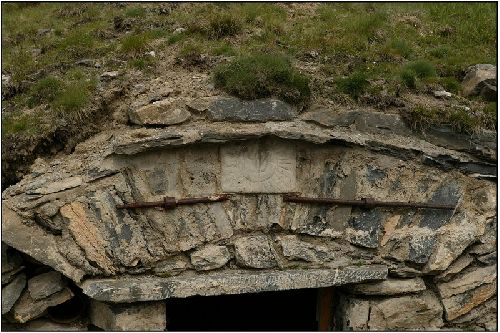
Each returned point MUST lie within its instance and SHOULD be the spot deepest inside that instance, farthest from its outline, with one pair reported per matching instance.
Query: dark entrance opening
(291, 310)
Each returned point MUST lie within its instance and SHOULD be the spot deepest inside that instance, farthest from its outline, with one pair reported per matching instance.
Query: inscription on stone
(263, 166)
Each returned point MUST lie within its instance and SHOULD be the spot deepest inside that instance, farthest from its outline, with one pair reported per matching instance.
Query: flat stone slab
(45, 284)
(266, 166)
(363, 121)
(151, 288)
(261, 110)
(389, 287)
(26, 308)
(12, 291)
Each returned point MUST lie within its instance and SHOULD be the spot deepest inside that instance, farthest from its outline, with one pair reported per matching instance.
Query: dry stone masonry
(394, 268)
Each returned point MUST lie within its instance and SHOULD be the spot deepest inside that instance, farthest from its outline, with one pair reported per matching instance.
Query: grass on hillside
(263, 75)
(409, 45)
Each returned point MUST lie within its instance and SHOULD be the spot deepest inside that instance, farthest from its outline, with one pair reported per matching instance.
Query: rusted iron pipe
(171, 202)
(365, 202)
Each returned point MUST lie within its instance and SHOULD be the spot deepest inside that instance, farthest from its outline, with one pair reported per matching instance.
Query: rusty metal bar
(171, 202)
(365, 202)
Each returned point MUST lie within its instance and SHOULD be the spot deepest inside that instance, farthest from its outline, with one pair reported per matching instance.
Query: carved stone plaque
(255, 167)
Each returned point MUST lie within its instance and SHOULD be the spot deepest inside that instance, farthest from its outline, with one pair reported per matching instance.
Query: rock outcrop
(429, 262)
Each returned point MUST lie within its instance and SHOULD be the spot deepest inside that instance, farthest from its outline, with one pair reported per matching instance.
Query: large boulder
(481, 80)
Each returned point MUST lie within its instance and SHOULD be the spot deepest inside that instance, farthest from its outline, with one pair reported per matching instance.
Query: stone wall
(437, 265)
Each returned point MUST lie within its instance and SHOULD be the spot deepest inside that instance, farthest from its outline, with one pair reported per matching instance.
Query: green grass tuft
(26, 124)
(135, 12)
(422, 69)
(141, 63)
(223, 49)
(44, 91)
(409, 78)
(450, 84)
(223, 25)
(401, 47)
(263, 75)
(134, 44)
(73, 98)
(461, 120)
(415, 71)
(354, 84)
(175, 38)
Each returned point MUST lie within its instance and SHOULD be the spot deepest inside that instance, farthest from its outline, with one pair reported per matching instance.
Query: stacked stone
(465, 292)
(25, 302)
(64, 214)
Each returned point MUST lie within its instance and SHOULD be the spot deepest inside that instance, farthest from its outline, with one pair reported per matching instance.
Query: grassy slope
(345, 47)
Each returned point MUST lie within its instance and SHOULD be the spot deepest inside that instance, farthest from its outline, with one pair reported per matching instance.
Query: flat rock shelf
(152, 288)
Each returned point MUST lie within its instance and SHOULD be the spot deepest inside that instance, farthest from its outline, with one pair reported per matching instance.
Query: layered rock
(64, 215)
(416, 312)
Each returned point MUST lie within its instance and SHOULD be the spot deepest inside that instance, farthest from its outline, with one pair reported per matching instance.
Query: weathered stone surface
(408, 313)
(488, 90)
(447, 194)
(11, 264)
(451, 242)
(488, 307)
(466, 292)
(45, 325)
(87, 235)
(352, 313)
(172, 266)
(58, 186)
(27, 308)
(200, 105)
(388, 287)
(477, 74)
(255, 211)
(488, 259)
(110, 75)
(266, 166)
(147, 316)
(442, 94)
(458, 305)
(421, 247)
(488, 241)
(10, 275)
(347, 190)
(135, 289)
(295, 249)
(35, 242)
(456, 267)
(11, 292)
(416, 312)
(166, 112)
(364, 228)
(45, 284)
(184, 161)
(234, 109)
(11, 260)
(363, 121)
(210, 257)
(468, 281)
(402, 271)
(479, 144)
(255, 252)
(160, 94)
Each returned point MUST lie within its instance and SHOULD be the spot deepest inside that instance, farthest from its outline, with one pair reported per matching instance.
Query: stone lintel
(150, 288)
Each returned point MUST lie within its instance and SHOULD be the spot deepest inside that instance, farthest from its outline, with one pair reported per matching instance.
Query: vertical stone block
(143, 316)
(265, 166)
